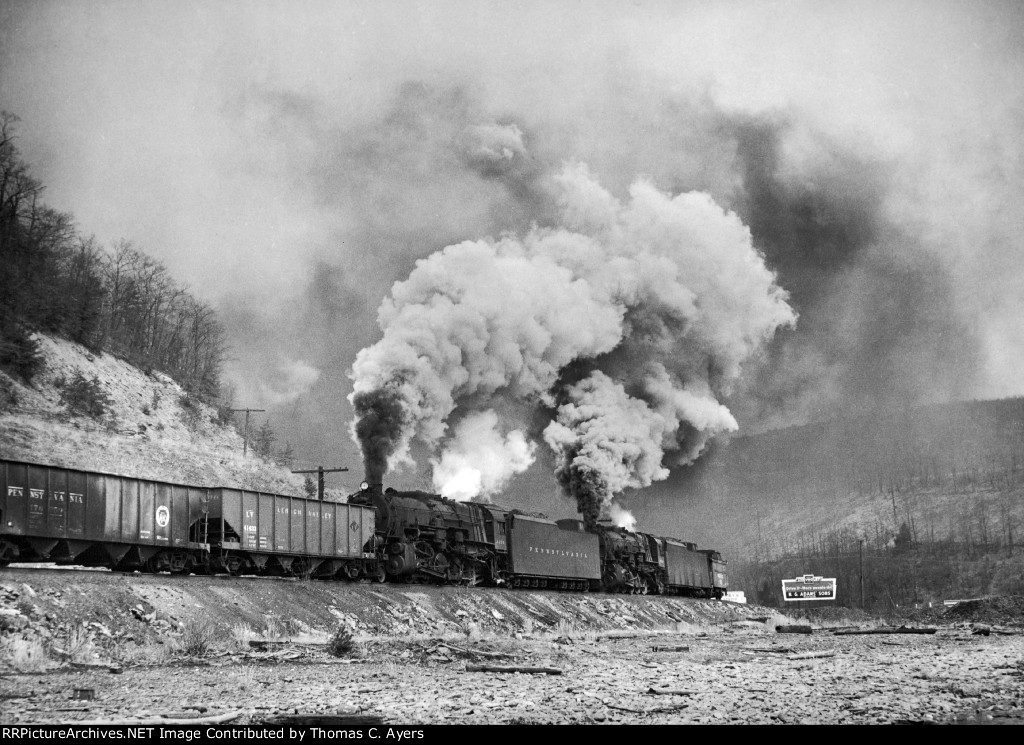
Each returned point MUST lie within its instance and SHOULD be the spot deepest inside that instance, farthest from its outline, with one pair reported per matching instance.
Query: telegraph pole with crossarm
(320, 471)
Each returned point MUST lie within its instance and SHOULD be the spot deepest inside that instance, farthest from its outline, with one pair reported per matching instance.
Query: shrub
(19, 352)
(241, 635)
(341, 643)
(79, 645)
(191, 409)
(271, 628)
(8, 394)
(85, 396)
(197, 637)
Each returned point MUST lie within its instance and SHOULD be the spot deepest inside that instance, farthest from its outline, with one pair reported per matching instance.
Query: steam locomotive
(78, 517)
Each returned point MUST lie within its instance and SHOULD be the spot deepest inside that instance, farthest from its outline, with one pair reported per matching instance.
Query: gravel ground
(746, 676)
(637, 660)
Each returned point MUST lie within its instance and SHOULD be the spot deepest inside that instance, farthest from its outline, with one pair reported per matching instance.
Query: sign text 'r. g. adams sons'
(809, 587)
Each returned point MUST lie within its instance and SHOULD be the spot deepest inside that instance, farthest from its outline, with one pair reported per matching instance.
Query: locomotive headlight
(364, 486)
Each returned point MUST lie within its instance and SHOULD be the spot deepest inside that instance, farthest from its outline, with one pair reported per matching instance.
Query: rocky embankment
(96, 646)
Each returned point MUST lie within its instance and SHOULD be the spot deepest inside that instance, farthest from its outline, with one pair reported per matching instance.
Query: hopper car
(71, 516)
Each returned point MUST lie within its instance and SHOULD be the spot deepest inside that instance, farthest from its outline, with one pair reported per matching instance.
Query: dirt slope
(121, 609)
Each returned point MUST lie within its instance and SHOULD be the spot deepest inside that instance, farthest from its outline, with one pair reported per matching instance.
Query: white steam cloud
(478, 461)
(625, 323)
(622, 517)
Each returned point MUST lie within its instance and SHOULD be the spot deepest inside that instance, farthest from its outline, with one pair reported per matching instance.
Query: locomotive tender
(70, 516)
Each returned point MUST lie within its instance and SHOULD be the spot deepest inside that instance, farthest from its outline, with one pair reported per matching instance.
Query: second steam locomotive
(70, 516)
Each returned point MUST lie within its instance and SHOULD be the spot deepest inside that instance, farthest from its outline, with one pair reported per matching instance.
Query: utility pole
(861, 542)
(245, 437)
(320, 471)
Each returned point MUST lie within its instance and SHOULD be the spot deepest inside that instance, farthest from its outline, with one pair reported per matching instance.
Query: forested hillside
(107, 362)
(929, 499)
(58, 280)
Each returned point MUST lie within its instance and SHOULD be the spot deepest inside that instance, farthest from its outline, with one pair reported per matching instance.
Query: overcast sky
(289, 161)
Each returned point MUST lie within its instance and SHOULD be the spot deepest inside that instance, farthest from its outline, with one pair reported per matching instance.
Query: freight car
(70, 516)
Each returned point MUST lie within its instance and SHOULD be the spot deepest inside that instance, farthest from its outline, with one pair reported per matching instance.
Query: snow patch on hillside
(154, 430)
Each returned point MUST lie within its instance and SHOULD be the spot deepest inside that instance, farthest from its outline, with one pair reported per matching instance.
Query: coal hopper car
(71, 516)
(274, 534)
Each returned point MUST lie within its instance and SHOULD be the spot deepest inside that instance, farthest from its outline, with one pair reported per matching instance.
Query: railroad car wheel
(380, 575)
(182, 567)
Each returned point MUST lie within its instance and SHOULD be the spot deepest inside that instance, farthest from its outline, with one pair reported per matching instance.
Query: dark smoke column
(378, 428)
(585, 485)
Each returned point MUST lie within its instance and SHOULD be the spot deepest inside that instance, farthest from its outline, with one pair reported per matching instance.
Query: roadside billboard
(809, 587)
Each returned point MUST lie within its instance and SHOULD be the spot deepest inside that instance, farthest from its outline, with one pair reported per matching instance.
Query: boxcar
(541, 554)
(71, 516)
(256, 532)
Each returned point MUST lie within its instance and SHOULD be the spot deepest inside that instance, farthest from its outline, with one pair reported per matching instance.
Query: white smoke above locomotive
(622, 325)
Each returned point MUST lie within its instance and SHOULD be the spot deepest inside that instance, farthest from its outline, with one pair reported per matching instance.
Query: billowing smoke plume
(626, 323)
(478, 461)
(881, 324)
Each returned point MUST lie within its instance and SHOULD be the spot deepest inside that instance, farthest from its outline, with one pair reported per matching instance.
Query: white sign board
(809, 587)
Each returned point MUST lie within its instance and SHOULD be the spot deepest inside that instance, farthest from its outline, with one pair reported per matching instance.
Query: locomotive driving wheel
(441, 569)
